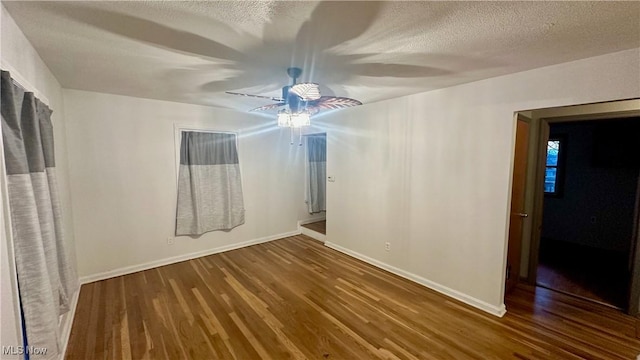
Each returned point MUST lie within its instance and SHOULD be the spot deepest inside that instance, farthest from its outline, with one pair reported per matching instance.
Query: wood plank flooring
(318, 226)
(296, 299)
(570, 268)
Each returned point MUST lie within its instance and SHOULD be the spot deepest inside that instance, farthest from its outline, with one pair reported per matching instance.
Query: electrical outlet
(387, 246)
(170, 241)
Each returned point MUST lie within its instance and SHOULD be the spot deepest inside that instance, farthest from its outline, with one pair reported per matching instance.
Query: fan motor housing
(295, 103)
(285, 93)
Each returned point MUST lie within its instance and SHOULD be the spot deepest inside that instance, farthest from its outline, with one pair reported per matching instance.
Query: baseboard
(312, 220)
(175, 259)
(469, 300)
(313, 234)
(65, 331)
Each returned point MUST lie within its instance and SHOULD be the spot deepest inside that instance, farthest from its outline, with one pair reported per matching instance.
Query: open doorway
(591, 178)
(555, 248)
(316, 185)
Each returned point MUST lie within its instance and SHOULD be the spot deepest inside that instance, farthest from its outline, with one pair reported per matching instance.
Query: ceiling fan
(299, 101)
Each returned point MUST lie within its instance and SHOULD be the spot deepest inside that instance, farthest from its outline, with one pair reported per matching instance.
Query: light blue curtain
(317, 173)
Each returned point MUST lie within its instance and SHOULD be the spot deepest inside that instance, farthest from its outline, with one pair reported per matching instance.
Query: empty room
(319, 180)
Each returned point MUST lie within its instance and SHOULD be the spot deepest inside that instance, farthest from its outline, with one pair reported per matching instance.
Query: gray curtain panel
(317, 187)
(209, 184)
(46, 279)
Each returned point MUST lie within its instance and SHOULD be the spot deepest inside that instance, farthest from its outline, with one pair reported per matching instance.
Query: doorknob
(524, 215)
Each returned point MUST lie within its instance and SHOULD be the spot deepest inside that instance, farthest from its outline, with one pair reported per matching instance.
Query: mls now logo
(21, 350)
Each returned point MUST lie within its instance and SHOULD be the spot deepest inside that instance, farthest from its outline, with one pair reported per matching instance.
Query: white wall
(431, 173)
(123, 177)
(18, 56)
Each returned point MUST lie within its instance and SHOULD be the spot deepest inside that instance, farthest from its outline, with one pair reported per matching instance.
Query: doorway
(536, 250)
(591, 177)
(315, 185)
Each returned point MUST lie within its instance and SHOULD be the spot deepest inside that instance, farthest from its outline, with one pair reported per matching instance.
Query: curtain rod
(22, 82)
(25, 89)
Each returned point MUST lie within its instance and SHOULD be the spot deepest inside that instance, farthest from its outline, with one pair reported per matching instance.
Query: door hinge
(508, 271)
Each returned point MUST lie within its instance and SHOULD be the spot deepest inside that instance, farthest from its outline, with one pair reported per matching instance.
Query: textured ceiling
(193, 51)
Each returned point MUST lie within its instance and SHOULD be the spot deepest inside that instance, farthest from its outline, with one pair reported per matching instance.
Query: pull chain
(291, 131)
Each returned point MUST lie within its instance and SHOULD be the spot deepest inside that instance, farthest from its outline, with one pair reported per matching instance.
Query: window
(209, 183)
(552, 176)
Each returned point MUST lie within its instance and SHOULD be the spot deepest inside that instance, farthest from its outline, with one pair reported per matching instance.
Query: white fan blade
(268, 107)
(306, 91)
(255, 96)
(332, 103)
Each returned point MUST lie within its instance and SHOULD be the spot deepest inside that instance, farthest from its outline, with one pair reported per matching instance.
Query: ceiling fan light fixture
(293, 120)
(300, 119)
(300, 102)
(284, 118)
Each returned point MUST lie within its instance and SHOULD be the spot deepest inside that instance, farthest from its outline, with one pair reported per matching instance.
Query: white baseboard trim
(310, 233)
(312, 220)
(313, 234)
(172, 260)
(469, 300)
(67, 323)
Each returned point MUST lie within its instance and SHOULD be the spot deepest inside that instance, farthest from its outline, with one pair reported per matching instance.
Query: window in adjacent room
(553, 170)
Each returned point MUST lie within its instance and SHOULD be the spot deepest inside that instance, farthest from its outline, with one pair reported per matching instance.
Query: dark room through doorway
(591, 186)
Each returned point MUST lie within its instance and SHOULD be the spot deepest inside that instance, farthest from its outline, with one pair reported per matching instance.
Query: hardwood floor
(318, 226)
(596, 274)
(295, 298)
